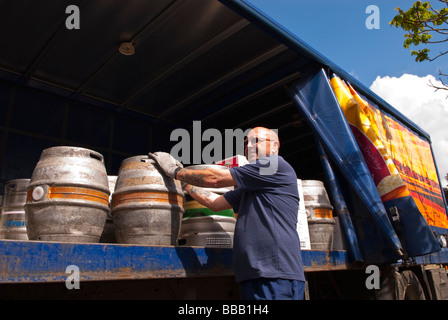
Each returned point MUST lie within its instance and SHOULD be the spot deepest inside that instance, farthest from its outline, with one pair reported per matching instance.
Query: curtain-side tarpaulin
(374, 136)
(340, 206)
(315, 98)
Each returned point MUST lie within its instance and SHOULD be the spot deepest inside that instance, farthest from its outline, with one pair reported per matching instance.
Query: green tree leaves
(424, 25)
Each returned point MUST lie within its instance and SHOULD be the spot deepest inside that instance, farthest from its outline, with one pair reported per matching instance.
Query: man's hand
(167, 163)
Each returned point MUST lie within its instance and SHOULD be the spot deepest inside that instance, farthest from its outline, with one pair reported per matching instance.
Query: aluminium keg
(320, 215)
(12, 219)
(108, 235)
(203, 227)
(68, 196)
(147, 205)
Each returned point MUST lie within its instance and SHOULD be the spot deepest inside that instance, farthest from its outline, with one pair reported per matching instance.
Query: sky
(375, 57)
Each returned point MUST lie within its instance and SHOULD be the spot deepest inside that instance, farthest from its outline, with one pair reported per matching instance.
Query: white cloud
(413, 97)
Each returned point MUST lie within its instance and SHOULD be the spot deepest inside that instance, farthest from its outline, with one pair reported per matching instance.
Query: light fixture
(126, 48)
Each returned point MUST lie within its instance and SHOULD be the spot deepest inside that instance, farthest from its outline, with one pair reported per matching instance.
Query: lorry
(119, 76)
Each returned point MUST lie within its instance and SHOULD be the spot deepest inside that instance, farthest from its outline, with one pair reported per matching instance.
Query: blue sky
(376, 57)
(337, 30)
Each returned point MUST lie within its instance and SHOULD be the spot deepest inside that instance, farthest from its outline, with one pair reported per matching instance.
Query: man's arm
(208, 178)
(209, 199)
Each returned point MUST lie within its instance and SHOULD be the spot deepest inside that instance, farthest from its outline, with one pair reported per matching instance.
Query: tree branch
(444, 85)
(441, 54)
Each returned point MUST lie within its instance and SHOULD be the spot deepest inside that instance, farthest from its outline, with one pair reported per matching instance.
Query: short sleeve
(261, 174)
(233, 197)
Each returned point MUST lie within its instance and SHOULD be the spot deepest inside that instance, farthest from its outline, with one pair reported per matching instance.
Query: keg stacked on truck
(147, 206)
(68, 196)
(203, 227)
(108, 235)
(320, 214)
(12, 218)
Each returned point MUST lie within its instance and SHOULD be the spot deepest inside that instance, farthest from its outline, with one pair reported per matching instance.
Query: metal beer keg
(320, 215)
(68, 196)
(12, 219)
(147, 206)
(108, 235)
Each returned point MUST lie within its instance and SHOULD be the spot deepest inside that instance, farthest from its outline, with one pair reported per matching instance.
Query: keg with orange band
(147, 206)
(68, 196)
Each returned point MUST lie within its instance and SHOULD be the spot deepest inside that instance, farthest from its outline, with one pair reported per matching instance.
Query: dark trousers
(272, 289)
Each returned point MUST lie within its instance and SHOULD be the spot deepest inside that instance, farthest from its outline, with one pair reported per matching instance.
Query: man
(266, 254)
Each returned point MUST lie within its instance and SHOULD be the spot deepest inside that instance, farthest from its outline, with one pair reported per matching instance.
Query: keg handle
(97, 156)
(10, 186)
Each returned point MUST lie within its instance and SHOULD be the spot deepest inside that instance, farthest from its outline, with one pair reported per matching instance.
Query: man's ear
(275, 147)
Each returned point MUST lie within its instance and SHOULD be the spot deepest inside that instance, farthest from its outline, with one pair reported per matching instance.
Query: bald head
(261, 142)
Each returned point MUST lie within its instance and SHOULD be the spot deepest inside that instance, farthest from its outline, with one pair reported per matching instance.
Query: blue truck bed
(35, 261)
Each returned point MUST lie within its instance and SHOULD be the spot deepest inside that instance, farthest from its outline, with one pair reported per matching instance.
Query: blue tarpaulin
(340, 207)
(315, 98)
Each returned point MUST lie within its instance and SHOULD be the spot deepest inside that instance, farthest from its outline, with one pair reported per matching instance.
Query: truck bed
(36, 261)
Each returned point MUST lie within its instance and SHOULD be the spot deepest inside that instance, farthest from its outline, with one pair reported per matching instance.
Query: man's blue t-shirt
(266, 243)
